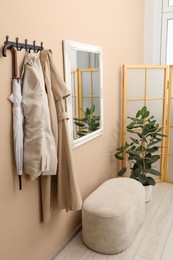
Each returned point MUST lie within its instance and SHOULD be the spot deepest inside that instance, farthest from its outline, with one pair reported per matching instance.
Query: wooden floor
(153, 241)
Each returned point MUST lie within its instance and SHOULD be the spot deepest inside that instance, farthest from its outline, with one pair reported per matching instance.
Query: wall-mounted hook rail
(19, 46)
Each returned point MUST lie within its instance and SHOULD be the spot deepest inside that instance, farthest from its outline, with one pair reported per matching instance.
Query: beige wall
(118, 27)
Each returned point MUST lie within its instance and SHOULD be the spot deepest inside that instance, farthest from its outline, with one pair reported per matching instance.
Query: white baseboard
(61, 247)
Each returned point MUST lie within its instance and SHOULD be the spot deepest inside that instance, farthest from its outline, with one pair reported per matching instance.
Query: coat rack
(19, 46)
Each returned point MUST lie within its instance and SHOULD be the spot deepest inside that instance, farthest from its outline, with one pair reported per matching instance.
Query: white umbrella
(16, 98)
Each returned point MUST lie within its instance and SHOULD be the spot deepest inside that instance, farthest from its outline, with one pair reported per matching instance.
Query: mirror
(83, 76)
(170, 2)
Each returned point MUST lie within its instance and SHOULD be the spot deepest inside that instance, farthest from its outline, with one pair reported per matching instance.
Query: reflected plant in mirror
(87, 124)
(83, 75)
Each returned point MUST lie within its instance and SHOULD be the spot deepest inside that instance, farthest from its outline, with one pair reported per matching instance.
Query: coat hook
(37, 50)
(41, 46)
(26, 44)
(6, 42)
(30, 49)
(17, 44)
(34, 46)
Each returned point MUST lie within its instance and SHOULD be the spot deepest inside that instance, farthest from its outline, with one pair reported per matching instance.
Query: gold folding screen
(147, 85)
(169, 151)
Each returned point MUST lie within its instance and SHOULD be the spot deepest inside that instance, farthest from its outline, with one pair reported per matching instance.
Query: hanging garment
(40, 156)
(68, 195)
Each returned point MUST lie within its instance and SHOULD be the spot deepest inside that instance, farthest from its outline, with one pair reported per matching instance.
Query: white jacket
(40, 155)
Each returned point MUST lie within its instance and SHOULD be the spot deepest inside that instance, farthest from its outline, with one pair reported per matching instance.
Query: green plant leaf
(122, 171)
(148, 155)
(138, 160)
(135, 166)
(118, 157)
(161, 135)
(96, 117)
(147, 114)
(144, 112)
(131, 151)
(134, 140)
(81, 133)
(148, 130)
(158, 139)
(130, 157)
(153, 143)
(79, 124)
(137, 171)
(85, 120)
(153, 149)
(78, 119)
(151, 117)
(150, 181)
(92, 109)
(118, 152)
(138, 113)
(153, 121)
(139, 134)
(131, 125)
(87, 111)
(132, 131)
(127, 145)
(142, 178)
(122, 148)
(96, 124)
(147, 166)
(133, 147)
(89, 121)
(140, 148)
(152, 159)
(134, 119)
(154, 172)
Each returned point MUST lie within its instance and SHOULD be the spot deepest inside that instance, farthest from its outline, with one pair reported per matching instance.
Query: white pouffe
(112, 214)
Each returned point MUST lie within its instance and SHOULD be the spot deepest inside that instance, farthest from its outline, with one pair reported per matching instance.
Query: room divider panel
(148, 85)
(169, 131)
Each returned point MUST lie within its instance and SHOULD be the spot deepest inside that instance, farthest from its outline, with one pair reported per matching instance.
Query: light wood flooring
(153, 241)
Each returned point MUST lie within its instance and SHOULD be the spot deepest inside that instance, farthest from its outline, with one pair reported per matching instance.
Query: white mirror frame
(69, 46)
(166, 6)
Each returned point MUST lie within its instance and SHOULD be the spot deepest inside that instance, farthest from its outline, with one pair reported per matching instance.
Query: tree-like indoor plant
(141, 152)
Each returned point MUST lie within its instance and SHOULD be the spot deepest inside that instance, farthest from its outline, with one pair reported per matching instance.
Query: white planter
(148, 192)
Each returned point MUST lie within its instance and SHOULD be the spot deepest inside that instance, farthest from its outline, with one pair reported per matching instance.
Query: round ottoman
(112, 214)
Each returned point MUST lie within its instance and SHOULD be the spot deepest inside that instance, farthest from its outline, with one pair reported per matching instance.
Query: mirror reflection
(83, 67)
(85, 82)
(170, 2)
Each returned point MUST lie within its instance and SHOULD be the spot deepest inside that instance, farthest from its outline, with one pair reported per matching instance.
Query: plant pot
(148, 192)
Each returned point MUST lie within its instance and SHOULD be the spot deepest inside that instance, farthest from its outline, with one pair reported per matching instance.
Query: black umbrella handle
(20, 182)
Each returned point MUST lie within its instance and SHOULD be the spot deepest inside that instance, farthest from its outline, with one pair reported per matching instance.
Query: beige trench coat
(66, 191)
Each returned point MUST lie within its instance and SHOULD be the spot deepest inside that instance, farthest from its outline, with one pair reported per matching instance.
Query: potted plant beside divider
(141, 151)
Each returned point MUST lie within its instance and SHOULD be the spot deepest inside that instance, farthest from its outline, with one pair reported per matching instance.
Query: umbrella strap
(20, 182)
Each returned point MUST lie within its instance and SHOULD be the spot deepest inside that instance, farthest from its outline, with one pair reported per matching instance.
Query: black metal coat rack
(19, 46)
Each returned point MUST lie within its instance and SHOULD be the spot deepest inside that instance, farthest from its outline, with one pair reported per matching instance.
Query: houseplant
(140, 152)
(88, 123)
